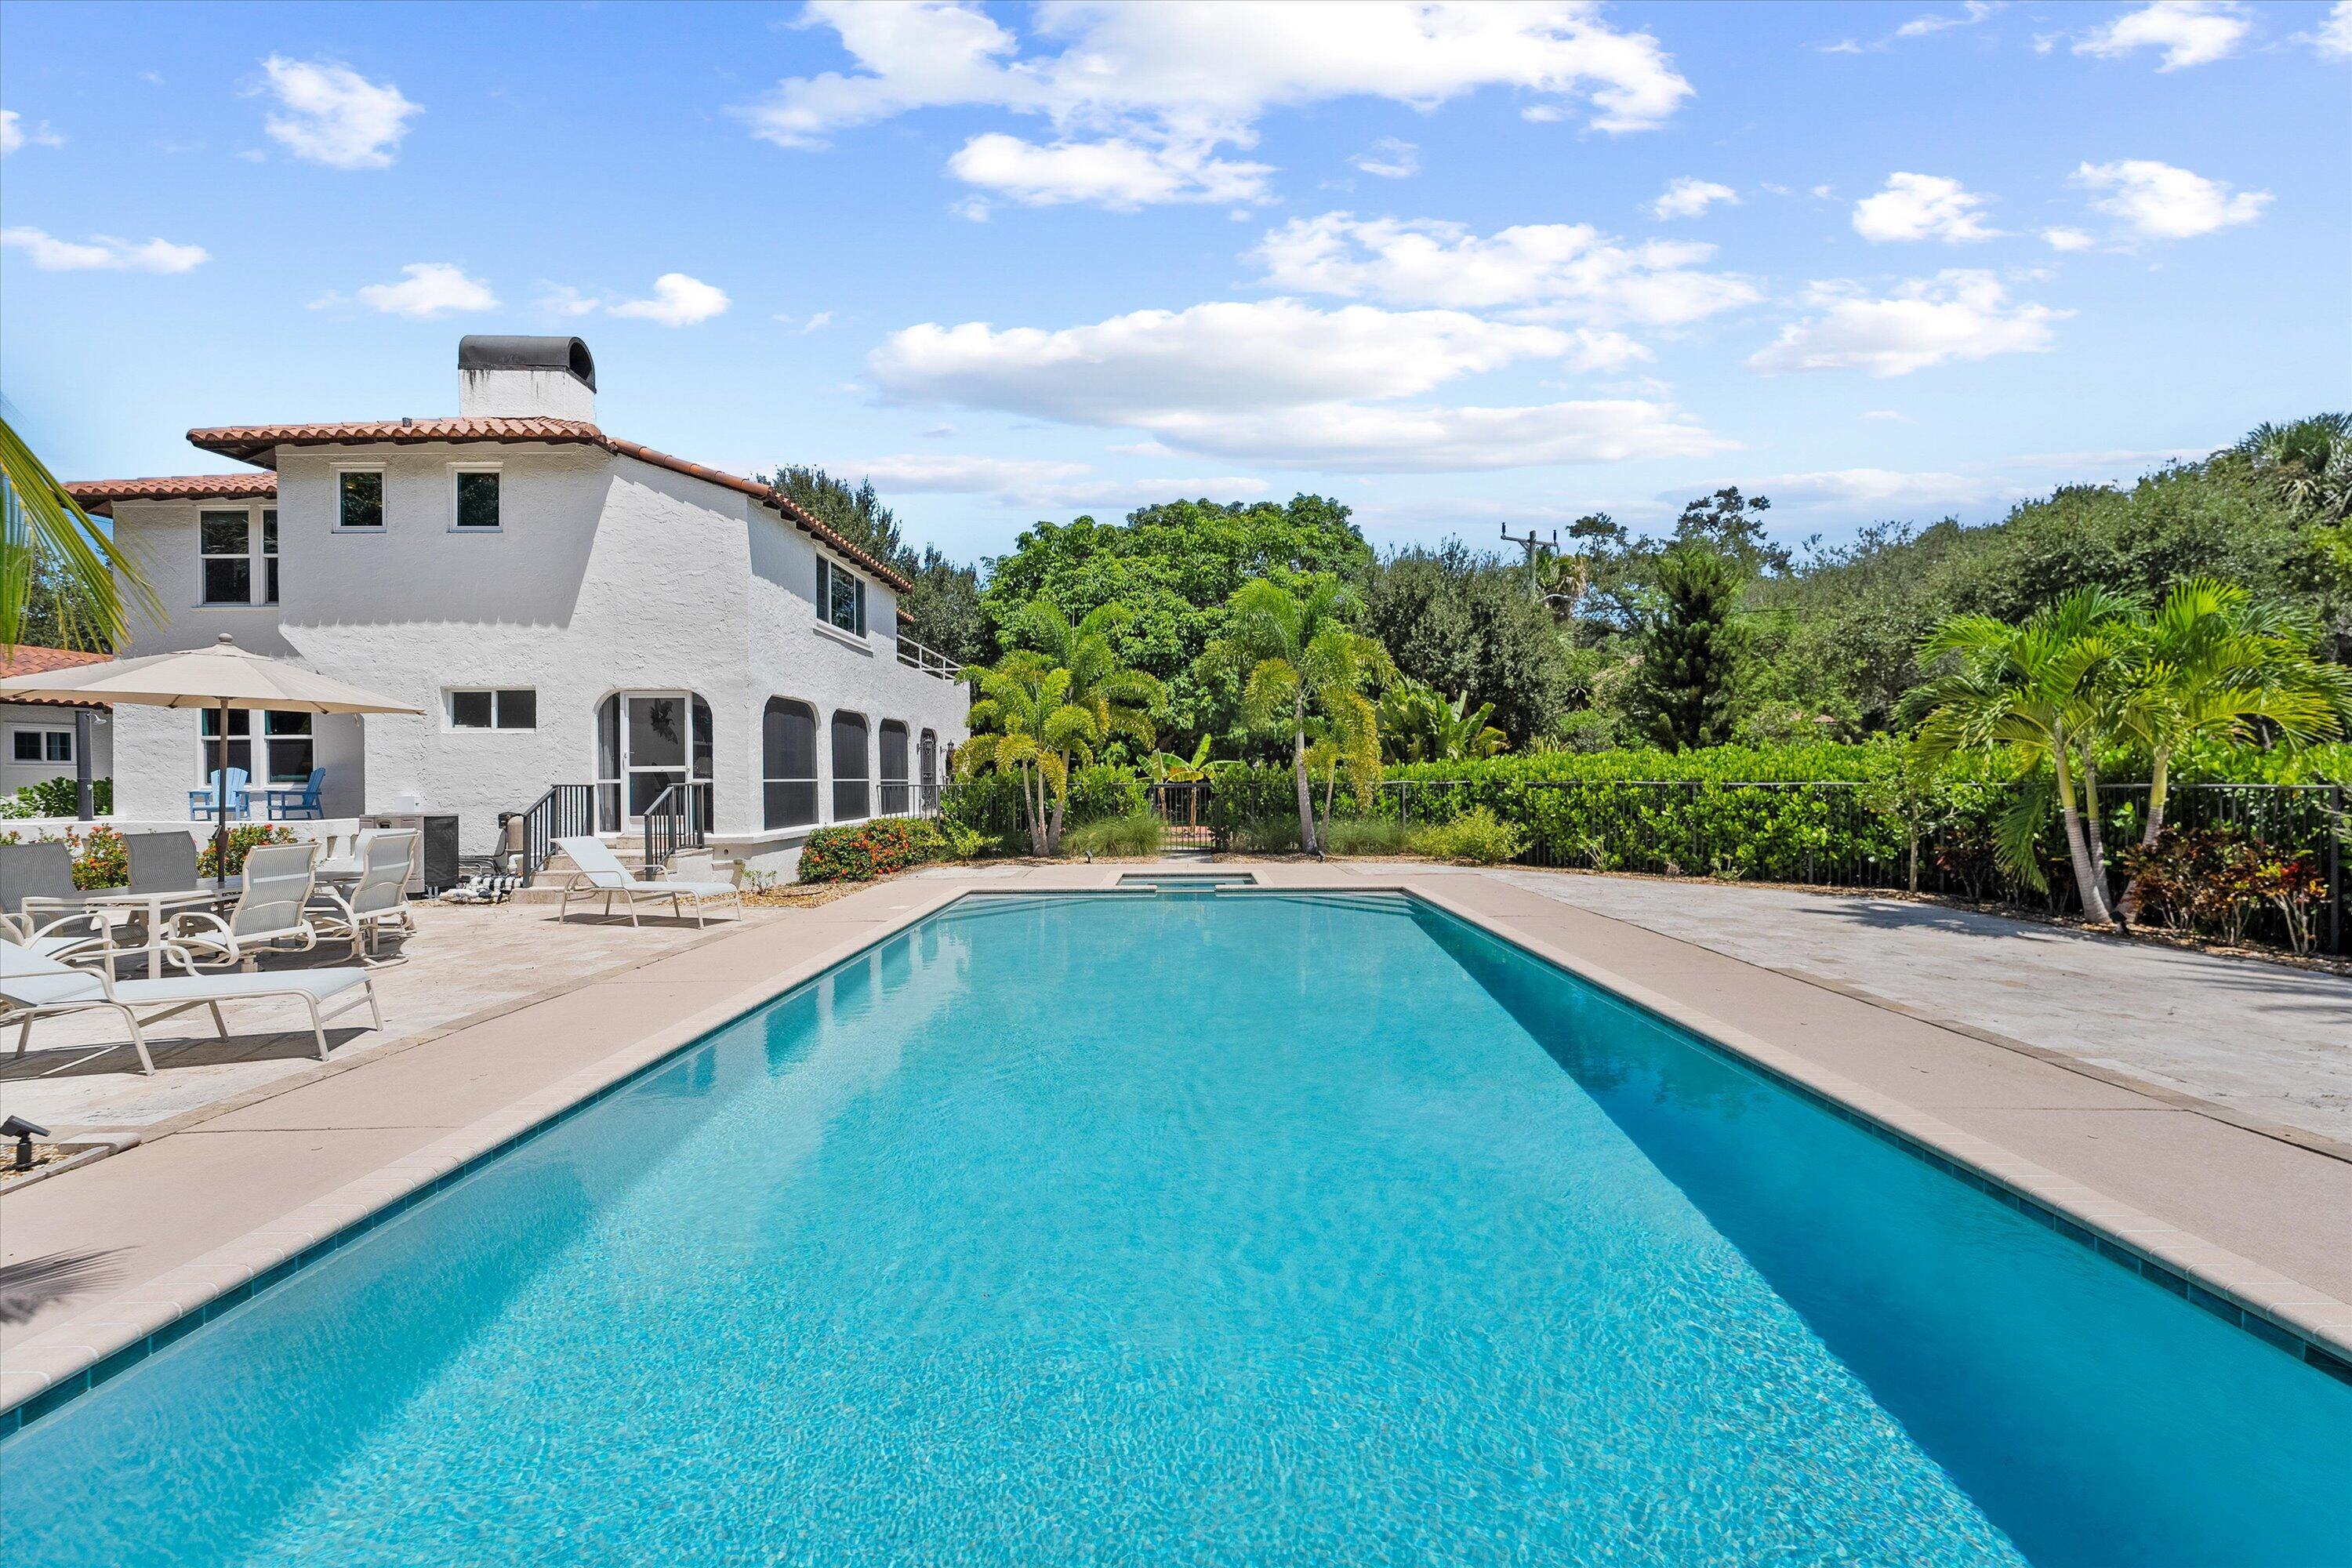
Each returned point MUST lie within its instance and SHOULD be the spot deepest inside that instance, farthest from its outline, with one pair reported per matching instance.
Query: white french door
(646, 743)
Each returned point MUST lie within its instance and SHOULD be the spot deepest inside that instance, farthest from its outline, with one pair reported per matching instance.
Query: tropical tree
(2309, 460)
(2045, 693)
(1299, 659)
(1694, 650)
(1025, 726)
(1115, 699)
(2211, 661)
(53, 552)
(1419, 725)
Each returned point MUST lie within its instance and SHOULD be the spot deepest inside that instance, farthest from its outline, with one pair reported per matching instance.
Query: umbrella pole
(220, 806)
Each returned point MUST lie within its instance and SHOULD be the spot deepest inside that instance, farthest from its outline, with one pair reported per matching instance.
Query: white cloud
(1867, 488)
(14, 135)
(1922, 206)
(1118, 172)
(1392, 159)
(429, 288)
(2063, 238)
(1959, 314)
(677, 301)
(817, 320)
(1568, 271)
(1971, 12)
(944, 473)
(2157, 201)
(1280, 383)
(2334, 39)
(2190, 32)
(1687, 198)
(563, 300)
(101, 253)
(1183, 78)
(334, 116)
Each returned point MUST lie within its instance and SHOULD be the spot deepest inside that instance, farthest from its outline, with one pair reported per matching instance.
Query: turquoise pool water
(1206, 1230)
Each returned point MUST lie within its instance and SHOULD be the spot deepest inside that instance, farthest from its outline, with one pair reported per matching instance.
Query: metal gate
(1185, 817)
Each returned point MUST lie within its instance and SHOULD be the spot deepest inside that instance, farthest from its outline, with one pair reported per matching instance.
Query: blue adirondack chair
(203, 803)
(298, 800)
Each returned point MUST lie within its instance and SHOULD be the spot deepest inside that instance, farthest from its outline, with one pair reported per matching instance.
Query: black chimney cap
(528, 353)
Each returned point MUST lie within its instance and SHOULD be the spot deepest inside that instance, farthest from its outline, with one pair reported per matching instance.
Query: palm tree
(45, 537)
(1299, 659)
(1024, 725)
(2044, 692)
(1116, 699)
(2211, 661)
(2309, 459)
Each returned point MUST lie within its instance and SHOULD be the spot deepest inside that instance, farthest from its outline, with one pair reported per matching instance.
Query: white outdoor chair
(41, 908)
(278, 884)
(380, 897)
(35, 987)
(600, 871)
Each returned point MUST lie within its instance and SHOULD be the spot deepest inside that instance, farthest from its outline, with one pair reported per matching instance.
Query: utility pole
(1535, 547)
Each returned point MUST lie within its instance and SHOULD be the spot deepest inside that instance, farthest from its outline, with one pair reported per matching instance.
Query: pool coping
(49, 1369)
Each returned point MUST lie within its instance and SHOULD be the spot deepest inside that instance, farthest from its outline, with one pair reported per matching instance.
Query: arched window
(897, 797)
(788, 763)
(850, 791)
(929, 751)
(646, 743)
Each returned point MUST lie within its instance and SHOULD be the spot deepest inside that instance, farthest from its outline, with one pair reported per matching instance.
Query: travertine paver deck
(212, 1183)
(2268, 1040)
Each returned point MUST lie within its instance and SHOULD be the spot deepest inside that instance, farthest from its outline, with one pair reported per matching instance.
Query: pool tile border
(2303, 1321)
(51, 1369)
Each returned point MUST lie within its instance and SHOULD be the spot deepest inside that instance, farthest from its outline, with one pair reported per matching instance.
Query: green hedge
(989, 803)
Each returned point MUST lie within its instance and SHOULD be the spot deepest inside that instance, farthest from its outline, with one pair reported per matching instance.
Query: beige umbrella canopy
(221, 677)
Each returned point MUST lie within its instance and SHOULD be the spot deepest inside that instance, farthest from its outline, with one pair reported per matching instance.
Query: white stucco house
(568, 608)
(43, 741)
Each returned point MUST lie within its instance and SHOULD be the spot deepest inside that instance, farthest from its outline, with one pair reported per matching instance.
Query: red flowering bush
(869, 849)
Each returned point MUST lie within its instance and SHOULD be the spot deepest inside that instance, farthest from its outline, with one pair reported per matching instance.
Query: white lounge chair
(35, 987)
(600, 871)
(278, 882)
(380, 897)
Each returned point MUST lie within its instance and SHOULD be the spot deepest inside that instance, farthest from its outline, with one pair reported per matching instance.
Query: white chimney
(526, 378)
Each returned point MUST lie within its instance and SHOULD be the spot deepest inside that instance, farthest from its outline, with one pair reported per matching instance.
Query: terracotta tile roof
(27, 660)
(99, 496)
(257, 443)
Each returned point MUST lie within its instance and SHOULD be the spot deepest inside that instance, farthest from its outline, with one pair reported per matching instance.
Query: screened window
(788, 763)
(225, 539)
(840, 597)
(898, 797)
(477, 500)
(360, 492)
(850, 797)
(515, 708)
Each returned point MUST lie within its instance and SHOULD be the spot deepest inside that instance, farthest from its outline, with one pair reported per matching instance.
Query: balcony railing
(930, 660)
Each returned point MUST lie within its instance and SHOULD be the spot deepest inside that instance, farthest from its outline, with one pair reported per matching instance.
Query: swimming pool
(1225, 1230)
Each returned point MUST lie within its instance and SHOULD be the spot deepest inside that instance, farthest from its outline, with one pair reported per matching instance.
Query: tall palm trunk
(1061, 805)
(2160, 778)
(2095, 838)
(2093, 888)
(1298, 774)
(1033, 800)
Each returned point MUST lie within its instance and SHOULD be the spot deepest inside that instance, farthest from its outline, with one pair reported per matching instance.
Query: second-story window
(840, 597)
(236, 556)
(359, 497)
(477, 501)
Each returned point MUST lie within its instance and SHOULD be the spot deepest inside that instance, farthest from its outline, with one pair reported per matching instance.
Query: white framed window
(493, 708)
(237, 555)
(359, 497)
(41, 748)
(474, 496)
(285, 754)
(840, 597)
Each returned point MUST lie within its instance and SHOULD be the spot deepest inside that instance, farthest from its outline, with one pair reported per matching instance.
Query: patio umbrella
(221, 677)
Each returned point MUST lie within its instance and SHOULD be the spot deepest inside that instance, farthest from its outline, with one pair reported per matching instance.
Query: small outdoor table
(155, 905)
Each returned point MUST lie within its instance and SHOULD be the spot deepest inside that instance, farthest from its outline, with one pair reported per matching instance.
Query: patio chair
(41, 908)
(301, 800)
(278, 884)
(205, 802)
(600, 871)
(160, 862)
(380, 897)
(33, 985)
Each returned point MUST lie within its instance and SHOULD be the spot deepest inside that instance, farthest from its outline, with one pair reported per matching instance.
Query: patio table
(154, 905)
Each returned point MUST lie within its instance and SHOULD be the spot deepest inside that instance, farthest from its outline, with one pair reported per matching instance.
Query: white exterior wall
(607, 574)
(43, 717)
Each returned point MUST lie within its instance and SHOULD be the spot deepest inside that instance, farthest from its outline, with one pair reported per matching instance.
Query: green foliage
(60, 572)
(857, 515)
(1050, 708)
(1478, 836)
(1175, 567)
(1694, 650)
(1468, 626)
(57, 798)
(1350, 836)
(1139, 834)
(244, 837)
(1419, 725)
(2212, 882)
(869, 849)
(989, 805)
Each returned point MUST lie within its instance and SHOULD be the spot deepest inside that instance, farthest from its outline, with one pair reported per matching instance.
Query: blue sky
(1456, 266)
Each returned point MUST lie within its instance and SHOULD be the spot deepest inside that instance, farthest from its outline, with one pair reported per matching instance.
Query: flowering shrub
(100, 859)
(242, 839)
(869, 849)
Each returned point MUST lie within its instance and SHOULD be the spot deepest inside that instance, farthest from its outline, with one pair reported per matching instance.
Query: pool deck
(2219, 1185)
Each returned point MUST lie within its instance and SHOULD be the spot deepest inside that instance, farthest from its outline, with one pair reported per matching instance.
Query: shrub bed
(870, 849)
